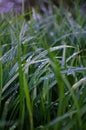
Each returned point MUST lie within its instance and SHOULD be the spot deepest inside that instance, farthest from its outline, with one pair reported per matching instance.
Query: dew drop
(52, 34)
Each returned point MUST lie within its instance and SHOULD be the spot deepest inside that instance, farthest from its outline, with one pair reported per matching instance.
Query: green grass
(43, 73)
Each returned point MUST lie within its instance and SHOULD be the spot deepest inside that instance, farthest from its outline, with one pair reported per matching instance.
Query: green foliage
(42, 73)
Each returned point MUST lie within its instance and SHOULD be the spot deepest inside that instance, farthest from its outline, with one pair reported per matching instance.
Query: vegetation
(42, 72)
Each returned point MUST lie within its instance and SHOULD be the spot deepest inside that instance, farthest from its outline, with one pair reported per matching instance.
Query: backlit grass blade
(28, 102)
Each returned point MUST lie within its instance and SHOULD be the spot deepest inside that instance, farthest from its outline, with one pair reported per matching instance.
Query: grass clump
(42, 73)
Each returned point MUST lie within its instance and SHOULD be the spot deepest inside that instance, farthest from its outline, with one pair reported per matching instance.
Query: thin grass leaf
(59, 119)
(28, 102)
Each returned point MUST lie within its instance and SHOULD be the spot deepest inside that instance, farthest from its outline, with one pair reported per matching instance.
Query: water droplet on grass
(51, 34)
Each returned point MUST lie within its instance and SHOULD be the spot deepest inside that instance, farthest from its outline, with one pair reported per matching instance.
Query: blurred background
(41, 6)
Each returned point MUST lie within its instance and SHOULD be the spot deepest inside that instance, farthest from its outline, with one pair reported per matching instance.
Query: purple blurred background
(9, 5)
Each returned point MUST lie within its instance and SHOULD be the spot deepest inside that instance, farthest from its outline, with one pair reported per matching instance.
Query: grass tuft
(43, 72)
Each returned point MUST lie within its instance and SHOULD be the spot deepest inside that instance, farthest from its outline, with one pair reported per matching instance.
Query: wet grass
(42, 73)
